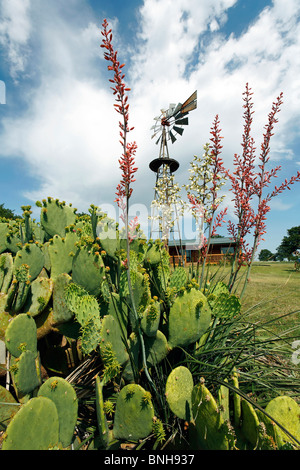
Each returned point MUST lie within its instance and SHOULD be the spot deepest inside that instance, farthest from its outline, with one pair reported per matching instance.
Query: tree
(7, 213)
(289, 244)
(265, 255)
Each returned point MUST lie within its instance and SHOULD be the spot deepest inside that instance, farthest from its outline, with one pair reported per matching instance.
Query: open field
(273, 290)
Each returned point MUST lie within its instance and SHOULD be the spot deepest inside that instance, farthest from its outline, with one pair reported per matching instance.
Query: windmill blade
(171, 109)
(155, 133)
(158, 140)
(178, 108)
(179, 130)
(182, 122)
(173, 138)
(175, 110)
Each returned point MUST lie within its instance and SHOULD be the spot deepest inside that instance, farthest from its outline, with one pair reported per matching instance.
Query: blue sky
(58, 129)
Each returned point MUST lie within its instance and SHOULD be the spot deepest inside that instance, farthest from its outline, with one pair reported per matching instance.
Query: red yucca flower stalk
(127, 160)
(246, 183)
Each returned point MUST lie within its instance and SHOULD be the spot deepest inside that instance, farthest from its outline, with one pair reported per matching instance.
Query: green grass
(272, 293)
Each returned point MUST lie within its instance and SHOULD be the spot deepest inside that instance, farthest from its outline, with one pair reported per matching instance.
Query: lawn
(273, 293)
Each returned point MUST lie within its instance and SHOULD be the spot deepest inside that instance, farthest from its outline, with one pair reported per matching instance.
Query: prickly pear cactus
(134, 413)
(25, 373)
(6, 271)
(21, 335)
(286, 411)
(209, 431)
(59, 251)
(156, 348)
(8, 407)
(150, 318)
(39, 296)
(179, 387)
(63, 395)
(189, 318)
(249, 422)
(178, 279)
(88, 269)
(111, 334)
(56, 216)
(31, 255)
(101, 418)
(34, 427)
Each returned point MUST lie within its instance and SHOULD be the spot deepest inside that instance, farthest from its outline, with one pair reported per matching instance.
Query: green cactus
(8, 408)
(151, 318)
(225, 305)
(178, 278)
(25, 373)
(18, 290)
(269, 437)
(21, 335)
(111, 333)
(101, 418)
(10, 236)
(31, 255)
(209, 431)
(108, 235)
(286, 411)
(156, 348)
(237, 410)
(189, 318)
(56, 216)
(159, 272)
(90, 335)
(34, 427)
(59, 250)
(6, 271)
(134, 413)
(249, 423)
(131, 368)
(118, 309)
(61, 312)
(87, 314)
(39, 296)
(153, 255)
(64, 397)
(223, 401)
(179, 387)
(88, 269)
(5, 317)
(4, 230)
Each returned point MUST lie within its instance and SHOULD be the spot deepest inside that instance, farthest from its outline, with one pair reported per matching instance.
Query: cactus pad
(64, 397)
(21, 335)
(179, 387)
(209, 432)
(287, 412)
(34, 427)
(189, 318)
(134, 413)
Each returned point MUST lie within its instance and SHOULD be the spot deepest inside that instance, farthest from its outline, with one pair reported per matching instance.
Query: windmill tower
(169, 124)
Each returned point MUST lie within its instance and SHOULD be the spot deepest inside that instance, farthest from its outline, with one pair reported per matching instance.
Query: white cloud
(15, 30)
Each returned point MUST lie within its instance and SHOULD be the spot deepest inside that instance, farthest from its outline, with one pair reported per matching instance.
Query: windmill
(168, 126)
